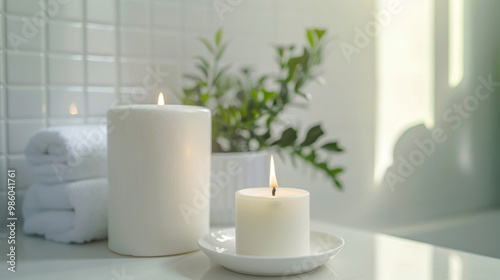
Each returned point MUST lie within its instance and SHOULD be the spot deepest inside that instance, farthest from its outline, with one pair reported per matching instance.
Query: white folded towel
(59, 154)
(71, 212)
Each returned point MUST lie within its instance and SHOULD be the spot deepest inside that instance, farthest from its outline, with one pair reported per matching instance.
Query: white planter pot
(232, 172)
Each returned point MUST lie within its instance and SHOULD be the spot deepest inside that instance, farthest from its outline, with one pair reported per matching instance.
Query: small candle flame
(161, 100)
(272, 176)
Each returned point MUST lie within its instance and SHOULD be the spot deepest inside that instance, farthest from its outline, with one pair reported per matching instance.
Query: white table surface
(365, 256)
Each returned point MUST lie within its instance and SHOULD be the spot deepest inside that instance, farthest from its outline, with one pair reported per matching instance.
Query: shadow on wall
(451, 168)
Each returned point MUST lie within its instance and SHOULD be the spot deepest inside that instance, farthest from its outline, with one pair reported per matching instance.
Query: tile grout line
(98, 23)
(3, 158)
(3, 145)
(182, 35)
(45, 69)
(85, 63)
(117, 53)
(150, 33)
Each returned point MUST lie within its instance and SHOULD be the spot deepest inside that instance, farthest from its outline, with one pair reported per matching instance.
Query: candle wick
(274, 191)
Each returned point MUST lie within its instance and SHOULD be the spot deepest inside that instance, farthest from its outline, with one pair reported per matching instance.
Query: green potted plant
(246, 111)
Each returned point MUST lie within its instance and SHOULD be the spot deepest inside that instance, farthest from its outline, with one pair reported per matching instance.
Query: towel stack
(67, 202)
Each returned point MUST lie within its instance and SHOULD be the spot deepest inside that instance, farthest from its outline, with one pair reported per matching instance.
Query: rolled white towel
(67, 153)
(71, 212)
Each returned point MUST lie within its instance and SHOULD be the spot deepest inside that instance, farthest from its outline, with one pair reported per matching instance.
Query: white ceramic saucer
(220, 247)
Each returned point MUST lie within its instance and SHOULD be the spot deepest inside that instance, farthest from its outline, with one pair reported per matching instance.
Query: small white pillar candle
(159, 177)
(272, 225)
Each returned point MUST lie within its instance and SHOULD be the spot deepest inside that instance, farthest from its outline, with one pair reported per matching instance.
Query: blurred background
(414, 101)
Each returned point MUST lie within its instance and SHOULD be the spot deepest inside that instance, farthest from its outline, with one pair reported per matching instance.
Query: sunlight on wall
(398, 258)
(456, 42)
(405, 76)
(455, 267)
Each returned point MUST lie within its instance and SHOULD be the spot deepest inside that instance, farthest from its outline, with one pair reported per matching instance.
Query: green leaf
(292, 65)
(337, 183)
(283, 91)
(288, 137)
(203, 61)
(270, 120)
(221, 51)
(240, 95)
(333, 174)
(255, 95)
(312, 135)
(332, 147)
(243, 110)
(218, 36)
(320, 33)
(335, 171)
(310, 37)
(294, 62)
(312, 156)
(225, 116)
(323, 166)
(280, 51)
(204, 97)
(268, 95)
(202, 69)
(221, 72)
(250, 105)
(207, 44)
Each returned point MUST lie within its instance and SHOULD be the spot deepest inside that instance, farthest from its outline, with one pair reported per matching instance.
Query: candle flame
(161, 100)
(272, 175)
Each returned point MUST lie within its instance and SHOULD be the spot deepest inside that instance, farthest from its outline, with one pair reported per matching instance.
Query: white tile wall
(66, 121)
(101, 71)
(134, 42)
(99, 102)
(93, 54)
(2, 105)
(2, 135)
(87, 56)
(165, 45)
(198, 15)
(166, 13)
(101, 11)
(134, 12)
(2, 72)
(19, 133)
(101, 39)
(3, 167)
(69, 9)
(25, 102)
(132, 71)
(66, 37)
(24, 68)
(66, 69)
(22, 35)
(22, 7)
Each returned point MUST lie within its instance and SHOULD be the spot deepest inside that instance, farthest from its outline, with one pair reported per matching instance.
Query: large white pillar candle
(159, 177)
(272, 225)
